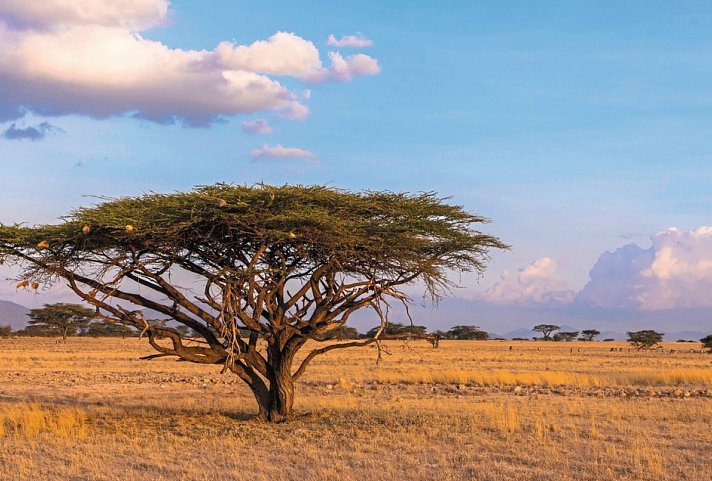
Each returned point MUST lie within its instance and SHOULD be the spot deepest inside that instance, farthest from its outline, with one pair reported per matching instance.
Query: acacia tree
(546, 330)
(467, 333)
(61, 318)
(644, 339)
(566, 336)
(589, 334)
(280, 265)
(707, 342)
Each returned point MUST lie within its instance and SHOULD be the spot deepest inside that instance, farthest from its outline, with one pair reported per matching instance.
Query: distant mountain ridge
(13, 314)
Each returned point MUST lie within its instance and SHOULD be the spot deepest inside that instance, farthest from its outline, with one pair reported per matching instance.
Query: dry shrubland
(89, 409)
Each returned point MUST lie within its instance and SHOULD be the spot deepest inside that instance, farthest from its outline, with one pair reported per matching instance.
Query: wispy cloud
(38, 132)
(259, 126)
(356, 41)
(279, 151)
(62, 57)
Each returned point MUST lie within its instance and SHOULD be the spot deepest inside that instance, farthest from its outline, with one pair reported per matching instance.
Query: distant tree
(441, 334)
(5, 330)
(566, 336)
(707, 342)
(62, 318)
(644, 339)
(109, 329)
(342, 333)
(467, 333)
(546, 330)
(589, 334)
(398, 329)
(36, 331)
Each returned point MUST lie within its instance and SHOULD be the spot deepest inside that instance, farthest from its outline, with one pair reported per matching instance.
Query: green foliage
(108, 329)
(62, 319)
(546, 330)
(644, 339)
(566, 336)
(5, 330)
(589, 334)
(707, 342)
(467, 333)
(368, 233)
(397, 329)
(342, 333)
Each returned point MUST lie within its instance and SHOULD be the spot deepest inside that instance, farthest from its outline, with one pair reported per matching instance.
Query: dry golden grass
(90, 410)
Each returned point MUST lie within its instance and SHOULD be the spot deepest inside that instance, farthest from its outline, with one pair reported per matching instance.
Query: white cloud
(539, 283)
(131, 14)
(278, 151)
(282, 54)
(259, 126)
(87, 57)
(674, 273)
(344, 69)
(357, 41)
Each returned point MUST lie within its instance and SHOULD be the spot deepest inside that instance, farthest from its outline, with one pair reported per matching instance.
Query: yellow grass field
(91, 410)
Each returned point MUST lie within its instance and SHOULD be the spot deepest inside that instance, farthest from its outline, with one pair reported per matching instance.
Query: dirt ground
(89, 409)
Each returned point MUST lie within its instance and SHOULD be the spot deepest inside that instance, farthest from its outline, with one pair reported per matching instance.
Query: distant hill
(13, 314)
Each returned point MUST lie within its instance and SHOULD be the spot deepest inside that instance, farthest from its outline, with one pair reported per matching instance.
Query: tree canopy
(63, 319)
(589, 334)
(546, 330)
(467, 333)
(285, 264)
(566, 336)
(644, 339)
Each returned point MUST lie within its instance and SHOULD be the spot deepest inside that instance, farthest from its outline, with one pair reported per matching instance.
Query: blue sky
(578, 127)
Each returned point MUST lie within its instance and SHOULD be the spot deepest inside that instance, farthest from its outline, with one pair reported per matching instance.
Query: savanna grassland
(89, 409)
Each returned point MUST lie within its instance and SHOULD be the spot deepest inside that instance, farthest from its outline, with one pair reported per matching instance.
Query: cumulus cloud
(259, 126)
(279, 151)
(88, 57)
(38, 132)
(45, 14)
(344, 69)
(357, 41)
(540, 283)
(282, 54)
(674, 273)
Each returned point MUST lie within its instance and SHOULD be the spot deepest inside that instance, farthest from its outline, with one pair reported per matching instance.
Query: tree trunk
(276, 403)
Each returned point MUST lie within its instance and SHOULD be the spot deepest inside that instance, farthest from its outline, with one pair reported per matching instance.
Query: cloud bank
(88, 57)
(675, 272)
(539, 283)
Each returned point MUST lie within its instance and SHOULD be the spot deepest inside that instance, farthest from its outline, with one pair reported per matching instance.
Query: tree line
(64, 319)
(644, 339)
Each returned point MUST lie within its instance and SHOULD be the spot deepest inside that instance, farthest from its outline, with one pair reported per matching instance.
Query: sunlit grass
(90, 410)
